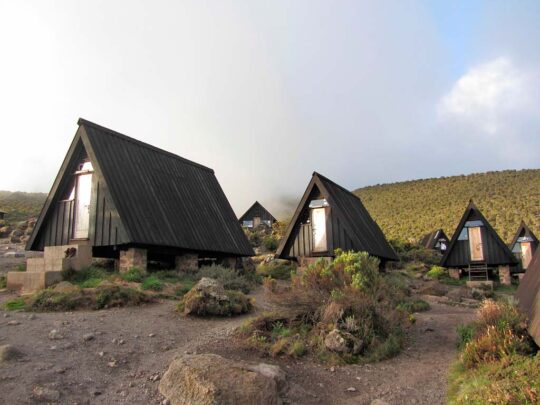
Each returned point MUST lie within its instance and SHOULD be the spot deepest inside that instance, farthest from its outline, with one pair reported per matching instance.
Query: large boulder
(433, 288)
(343, 342)
(5, 231)
(208, 297)
(209, 379)
(9, 353)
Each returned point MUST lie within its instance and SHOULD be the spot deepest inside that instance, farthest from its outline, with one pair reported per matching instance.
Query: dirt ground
(130, 349)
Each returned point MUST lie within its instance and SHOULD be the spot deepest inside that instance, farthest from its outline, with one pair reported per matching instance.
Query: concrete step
(65, 257)
(29, 282)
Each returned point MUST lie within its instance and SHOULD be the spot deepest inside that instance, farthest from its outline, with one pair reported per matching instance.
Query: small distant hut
(2, 214)
(330, 217)
(528, 296)
(436, 240)
(476, 249)
(524, 246)
(255, 216)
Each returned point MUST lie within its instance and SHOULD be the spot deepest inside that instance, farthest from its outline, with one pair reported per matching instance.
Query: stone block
(187, 263)
(35, 265)
(480, 284)
(30, 282)
(454, 273)
(133, 257)
(505, 276)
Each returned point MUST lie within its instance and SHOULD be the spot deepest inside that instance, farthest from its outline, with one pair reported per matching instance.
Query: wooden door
(526, 254)
(318, 221)
(256, 222)
(475, 243)
(83, 193)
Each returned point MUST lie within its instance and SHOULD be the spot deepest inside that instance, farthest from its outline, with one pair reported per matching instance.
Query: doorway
(318, 221)
(475, 244)
(526, 254)
(83, 194)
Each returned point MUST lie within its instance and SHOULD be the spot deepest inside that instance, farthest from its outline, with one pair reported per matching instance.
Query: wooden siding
(257, 210)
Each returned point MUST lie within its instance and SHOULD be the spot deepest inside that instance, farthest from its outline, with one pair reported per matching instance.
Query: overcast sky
(266, 92)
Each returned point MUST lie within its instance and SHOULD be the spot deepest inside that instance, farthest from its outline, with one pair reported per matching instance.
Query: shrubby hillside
(21, 206)
(410, 209)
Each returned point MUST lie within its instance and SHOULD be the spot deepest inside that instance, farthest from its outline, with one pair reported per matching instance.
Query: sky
(265, 93)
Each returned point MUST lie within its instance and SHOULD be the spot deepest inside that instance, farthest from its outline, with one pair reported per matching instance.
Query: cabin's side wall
(256, 211)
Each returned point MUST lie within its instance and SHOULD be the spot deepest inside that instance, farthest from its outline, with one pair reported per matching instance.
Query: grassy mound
(231, 279)
(277, 269)
(498, 361)
(345, 311)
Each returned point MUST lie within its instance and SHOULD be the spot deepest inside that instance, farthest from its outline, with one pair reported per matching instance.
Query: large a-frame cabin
(436, 240)
(528, 296)
(255, 216)
(524, 245)
(330, 217)
(132, 201)
(476, 249)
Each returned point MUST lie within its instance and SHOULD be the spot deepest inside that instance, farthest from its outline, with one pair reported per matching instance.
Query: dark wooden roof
(363, 231)
(495, 253)
(162, 199)
(528, 296)
(524, 230)
(257, 210)
(430, 240)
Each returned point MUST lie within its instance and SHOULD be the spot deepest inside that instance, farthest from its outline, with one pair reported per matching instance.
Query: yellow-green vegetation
(413, 208)
(15, 304)
(134, 274)
(3, 282)
(498, 363)
(347, 300)
(277, 269)
(152, 283)
(21, 206)
(231, 279)
(437, 272)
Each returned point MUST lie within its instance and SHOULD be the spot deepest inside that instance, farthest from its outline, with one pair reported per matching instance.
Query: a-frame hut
(476, 249)
(524, 245)
(116, 197)
(528, 296)
(255, 216)
(330, 217)
(436, 240)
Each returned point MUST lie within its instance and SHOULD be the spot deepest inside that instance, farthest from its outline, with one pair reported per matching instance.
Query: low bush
(270, 243)
(498, 362)
(347, 297)
(88, 277)
(51, 300)
(414, 305)
(15, 304)
(3, 282)
(134, 274)
(277, 269)
(118, 296)
(224, 303)
(437, 272)
(152, 283)
(231, 279)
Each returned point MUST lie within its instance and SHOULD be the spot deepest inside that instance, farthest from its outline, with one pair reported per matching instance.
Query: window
(85, 167)
(247, 224)
(524, 239)
(318, 203)
(464, 234)
(473, 224)
(268, 222)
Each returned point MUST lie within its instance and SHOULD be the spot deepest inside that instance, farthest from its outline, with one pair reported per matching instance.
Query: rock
(45, 394)
(13, 323)
(271, 371)
(17, 233)
(151, 334)
(88, 336)
(66, 287)
(211, 379)
(457, 294)
(379, 402)
(8, 353)
(343, 342)
(15, 239)
(55, 335)
(433, 288)
(31, 316)
(351, 389)
(5, 231)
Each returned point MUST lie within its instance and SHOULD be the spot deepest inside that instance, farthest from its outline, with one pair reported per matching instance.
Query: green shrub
(414, 305)
(20, 267)
(51, 300)
(15, 304)
(277, 269)
(88, 277)
(3, 282)
(152, 283)
(231, 279)
(134, 274)
(437, 272)
(349, 295)
(270, 243)
(465, 334)
(118, 296)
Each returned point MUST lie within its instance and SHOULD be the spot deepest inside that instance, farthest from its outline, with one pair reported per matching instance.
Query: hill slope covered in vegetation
(21, 206)
(410, 209)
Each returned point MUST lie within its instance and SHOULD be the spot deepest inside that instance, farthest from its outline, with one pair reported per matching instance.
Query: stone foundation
(230, 262)
(505, 277)
(454, 273)
(133, 257)
(188, 263)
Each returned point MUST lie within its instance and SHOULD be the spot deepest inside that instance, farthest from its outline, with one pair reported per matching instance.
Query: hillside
(413, 208)
(21, 206)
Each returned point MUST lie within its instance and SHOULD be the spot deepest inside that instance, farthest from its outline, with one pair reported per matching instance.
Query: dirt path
(132, 347)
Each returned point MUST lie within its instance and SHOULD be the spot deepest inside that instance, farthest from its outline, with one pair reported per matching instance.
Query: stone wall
(454, 273)
(505, 277)
(188, 263)
(133, 257)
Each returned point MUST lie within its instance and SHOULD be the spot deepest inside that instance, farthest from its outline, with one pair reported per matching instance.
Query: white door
(318, 222)
(475, 243)
(526, 254)
(83, 193)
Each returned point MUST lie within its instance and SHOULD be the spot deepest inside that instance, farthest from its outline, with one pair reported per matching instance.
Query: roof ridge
(127, 138)
(334, 183)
